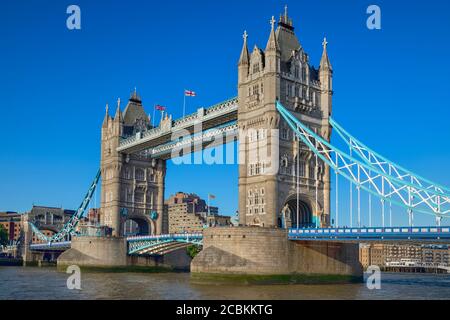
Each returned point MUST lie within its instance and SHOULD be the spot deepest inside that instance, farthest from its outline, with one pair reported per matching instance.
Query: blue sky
(391, 86)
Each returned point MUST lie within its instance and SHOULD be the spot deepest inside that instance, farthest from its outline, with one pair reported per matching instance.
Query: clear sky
(391, 86)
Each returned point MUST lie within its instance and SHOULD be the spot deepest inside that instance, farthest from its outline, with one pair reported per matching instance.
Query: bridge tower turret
(326, 86)
(132, 184)
(111, 166)
(275, 166)
(244, 60)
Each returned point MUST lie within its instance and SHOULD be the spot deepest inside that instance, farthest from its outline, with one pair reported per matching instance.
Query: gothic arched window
(140, 175)
(284, 133)
(256, 67)
(312, 170)
(284, 162)
(301, 168)
(303, 73)
(127, 173)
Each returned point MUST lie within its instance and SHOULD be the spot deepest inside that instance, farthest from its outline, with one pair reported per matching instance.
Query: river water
(47, 283)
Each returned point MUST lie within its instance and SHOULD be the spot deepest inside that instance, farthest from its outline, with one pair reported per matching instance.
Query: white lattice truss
(373, 173)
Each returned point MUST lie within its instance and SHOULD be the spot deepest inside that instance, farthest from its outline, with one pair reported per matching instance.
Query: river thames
(48, 284)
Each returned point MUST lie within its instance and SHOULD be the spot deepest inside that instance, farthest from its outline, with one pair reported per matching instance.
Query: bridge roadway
(374, 234)
(163, 244)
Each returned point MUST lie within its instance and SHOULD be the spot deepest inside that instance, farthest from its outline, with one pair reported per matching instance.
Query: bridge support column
(27, 238)
(266, 254)
(95, 252)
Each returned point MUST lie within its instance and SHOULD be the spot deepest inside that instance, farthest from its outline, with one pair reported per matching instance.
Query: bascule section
(132, 196)
(281, 182)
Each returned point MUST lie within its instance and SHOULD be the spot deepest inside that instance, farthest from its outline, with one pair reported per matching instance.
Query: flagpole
(154, 114)
(208, 204)
(184, 103)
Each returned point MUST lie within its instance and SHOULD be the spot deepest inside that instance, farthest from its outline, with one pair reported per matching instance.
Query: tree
(192, 251)
(3, 236)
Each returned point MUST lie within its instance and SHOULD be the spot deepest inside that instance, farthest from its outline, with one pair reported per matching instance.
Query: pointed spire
(325, 61)
(135, 96)
(285, 21)
(272, 43)
(244, 58)
(118, 115)
(105, 120)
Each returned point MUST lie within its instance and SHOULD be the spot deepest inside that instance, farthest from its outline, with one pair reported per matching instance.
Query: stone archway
(305, 213)
(138, 226)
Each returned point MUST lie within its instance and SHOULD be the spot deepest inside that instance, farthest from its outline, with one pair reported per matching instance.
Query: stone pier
(95, 252)
(267, 254)
(111, 253)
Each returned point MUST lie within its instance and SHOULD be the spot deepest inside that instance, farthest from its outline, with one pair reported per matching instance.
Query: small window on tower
(140, 175)
(284, 134)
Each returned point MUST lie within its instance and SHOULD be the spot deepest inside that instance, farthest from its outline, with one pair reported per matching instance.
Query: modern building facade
(190, 213)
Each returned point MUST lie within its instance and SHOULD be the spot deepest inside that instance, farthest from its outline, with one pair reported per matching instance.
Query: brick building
(190, 213)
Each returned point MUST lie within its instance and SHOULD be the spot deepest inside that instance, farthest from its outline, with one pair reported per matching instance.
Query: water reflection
(47, 283)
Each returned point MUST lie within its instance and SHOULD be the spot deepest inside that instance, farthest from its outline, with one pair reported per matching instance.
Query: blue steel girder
(162, 244)
(439, 198)
(51, 246)
(377, 234)
(70, 225)
(369, 177)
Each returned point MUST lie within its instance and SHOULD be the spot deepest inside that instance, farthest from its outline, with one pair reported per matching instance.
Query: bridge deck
(167, 242)
(397, 234)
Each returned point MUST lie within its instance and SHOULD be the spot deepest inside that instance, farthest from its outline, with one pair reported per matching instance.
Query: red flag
(160, 108)
(189, 93)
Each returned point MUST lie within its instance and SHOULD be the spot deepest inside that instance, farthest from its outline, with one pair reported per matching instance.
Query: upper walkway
(212, 117)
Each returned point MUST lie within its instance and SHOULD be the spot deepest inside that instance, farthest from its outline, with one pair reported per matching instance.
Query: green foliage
(192, 251)
(3, 236)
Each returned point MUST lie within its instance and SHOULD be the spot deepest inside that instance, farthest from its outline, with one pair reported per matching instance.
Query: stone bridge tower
(132, 184)
(273, 162)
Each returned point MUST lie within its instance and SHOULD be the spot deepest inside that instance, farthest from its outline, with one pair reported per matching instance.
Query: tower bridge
(286, 225)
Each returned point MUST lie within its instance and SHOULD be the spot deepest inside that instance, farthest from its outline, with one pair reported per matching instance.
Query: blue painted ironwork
(123, 212)
(70, 225)
(162, 244)
(154, 215)
(63, 245)
(438, 200)
(441, 234)
(367, 176)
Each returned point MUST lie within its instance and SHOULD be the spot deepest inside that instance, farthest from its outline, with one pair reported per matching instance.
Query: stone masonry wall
(267, 251)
